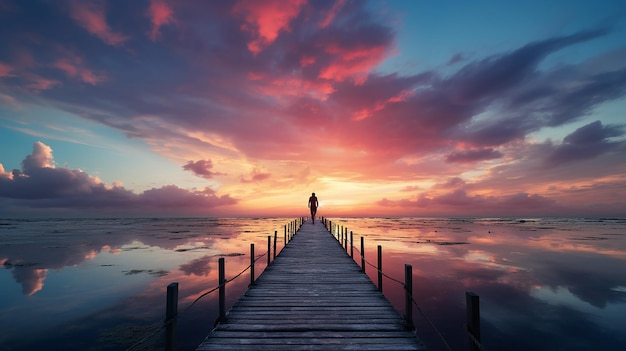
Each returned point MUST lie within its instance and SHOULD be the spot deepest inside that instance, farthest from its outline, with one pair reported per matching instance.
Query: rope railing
(473, 338)
(169, 321)
(178, 315)
(380, 271)
(224, 284)
(340, 231)
(432, 325)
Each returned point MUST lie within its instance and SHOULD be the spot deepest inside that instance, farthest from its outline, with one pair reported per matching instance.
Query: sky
(243, 108)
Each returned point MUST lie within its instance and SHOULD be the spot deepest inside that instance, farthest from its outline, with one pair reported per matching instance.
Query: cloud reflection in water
(544, 284)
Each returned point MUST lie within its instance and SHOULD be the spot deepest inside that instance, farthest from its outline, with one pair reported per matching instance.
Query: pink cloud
(92, 17)
(332, 13)
(37, 83)
(370, 110)
(287, 87)
(88, 76)
(458, 201)
(255, 176)
(172, 197)
(307, 60)
(74, 68)
(160, 14)
(265, 19)
(352, 61)
(5, 70)
(8, 100)
(66, 67)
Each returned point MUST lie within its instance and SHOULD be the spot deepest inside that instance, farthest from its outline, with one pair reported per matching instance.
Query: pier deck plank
(312, 297)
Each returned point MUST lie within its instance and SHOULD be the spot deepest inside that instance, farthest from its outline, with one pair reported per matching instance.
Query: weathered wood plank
(312, 297)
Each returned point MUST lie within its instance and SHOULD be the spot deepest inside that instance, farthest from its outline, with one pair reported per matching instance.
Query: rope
(376, 267)
(164, 324)
(219, 286)
(431, 324)
(414, 302)
(473, 338)
(147, 337)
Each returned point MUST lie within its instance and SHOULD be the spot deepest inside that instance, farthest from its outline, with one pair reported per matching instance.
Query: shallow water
(99, 284)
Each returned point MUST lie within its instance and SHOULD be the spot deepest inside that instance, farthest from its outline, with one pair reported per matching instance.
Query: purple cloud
(468, 156)
(586, 142)
(201, 168)
(458, 201)
(40, 185)
(200, 267)
(261, 90)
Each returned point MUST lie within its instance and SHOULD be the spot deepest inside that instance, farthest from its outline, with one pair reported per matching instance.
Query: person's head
(313, 194)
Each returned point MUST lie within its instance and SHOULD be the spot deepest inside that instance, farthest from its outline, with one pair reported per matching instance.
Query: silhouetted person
(313, 206)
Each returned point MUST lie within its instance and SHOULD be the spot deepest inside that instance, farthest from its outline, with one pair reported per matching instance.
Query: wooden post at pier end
(269, 249)
(473, 319)
(351, 245)
(275, 239)
(251, 264)
(222, 289)
(171, 311)
(362, 255)
(341, 239)
(380, 268)
(408, 296)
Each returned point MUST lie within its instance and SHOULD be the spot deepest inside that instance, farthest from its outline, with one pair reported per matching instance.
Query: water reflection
(100, 283)
(544, 284)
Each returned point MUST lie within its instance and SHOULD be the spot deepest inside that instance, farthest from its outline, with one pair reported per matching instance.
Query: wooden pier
(313, 296)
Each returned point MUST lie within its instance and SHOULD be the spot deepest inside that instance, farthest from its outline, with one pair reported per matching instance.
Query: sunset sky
(243, 108)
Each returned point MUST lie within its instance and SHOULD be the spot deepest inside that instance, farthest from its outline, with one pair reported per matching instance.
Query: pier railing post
(269, 249)
(473, 319)
(380, 268)
(171, 311)
(222, 289)
(285, 236)
(275, 239)
(362, 255)
(351, 245)
(345, 238)
(251, 264)
(408, 296)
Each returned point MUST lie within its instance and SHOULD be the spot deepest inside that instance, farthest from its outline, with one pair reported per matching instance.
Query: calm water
(99, 284)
